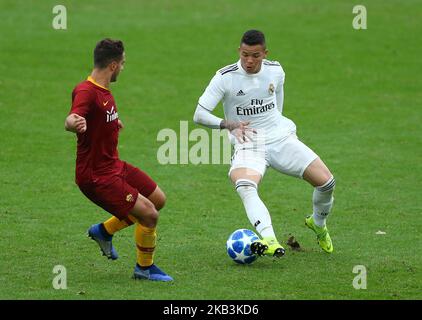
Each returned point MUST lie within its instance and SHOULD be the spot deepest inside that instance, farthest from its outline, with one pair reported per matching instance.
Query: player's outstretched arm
(204, 117)
(75, 123)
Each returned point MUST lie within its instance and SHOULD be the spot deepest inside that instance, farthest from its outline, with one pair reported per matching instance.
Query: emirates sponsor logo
(257, 106)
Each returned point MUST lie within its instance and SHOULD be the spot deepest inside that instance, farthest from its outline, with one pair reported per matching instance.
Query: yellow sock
(145, 244)
(113, 224)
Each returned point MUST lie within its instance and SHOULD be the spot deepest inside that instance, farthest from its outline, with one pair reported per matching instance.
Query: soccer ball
(239, 246)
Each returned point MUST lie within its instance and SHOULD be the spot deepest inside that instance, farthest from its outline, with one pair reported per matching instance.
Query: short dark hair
(253, 37)
(107, 51)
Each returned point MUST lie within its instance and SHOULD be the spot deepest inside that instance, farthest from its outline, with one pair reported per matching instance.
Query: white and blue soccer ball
(239, 246)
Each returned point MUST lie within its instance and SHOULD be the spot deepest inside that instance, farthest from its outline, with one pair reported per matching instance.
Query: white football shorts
(289, 156)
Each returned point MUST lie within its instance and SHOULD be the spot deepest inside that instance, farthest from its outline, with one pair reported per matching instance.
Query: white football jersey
(257, 98)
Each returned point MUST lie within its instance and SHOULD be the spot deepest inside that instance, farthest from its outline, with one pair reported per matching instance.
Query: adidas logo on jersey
(240, 93)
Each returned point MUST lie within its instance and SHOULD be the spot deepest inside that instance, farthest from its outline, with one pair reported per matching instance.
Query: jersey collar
(90, 79)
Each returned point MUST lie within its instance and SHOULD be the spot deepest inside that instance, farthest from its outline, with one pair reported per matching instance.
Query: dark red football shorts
(117, 194)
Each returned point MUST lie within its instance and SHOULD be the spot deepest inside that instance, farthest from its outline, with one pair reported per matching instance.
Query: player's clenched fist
(75, 123)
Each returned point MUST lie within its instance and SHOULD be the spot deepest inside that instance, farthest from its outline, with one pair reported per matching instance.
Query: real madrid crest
(271, 88)
(129, 198)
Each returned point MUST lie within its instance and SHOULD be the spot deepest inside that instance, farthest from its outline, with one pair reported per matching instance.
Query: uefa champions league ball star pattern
(239, 246)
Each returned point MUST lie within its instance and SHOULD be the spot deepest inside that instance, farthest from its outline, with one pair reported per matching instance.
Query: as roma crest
(129, 198)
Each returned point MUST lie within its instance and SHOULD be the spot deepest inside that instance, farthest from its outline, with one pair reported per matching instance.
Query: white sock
(323, 201)
(256, 210)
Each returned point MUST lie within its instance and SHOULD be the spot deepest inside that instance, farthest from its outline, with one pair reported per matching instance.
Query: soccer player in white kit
(251, 91)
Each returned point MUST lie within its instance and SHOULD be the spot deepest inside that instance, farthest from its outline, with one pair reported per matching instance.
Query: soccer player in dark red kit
(123, 190)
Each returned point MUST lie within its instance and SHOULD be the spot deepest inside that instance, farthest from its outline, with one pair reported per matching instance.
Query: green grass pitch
(354, 95)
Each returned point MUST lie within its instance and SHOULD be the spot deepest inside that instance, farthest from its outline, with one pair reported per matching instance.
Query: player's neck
(101, 77)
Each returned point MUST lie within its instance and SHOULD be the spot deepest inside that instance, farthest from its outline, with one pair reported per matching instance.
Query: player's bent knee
(160, 201)
(160, 204)
(327, 174)
(145, 212)
(158, 198)
(150, 218)
(151, 211)
(317, 173)
(245, 174)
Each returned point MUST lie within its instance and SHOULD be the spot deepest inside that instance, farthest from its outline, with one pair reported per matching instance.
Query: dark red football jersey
(97, 158)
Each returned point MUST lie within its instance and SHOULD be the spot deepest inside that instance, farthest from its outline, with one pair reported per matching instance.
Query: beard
(114, 77)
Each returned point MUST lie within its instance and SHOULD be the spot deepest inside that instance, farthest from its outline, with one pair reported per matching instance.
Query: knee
(160, 202)
(145, 213)
(328, 175)
(158, 198)
(151, 212)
